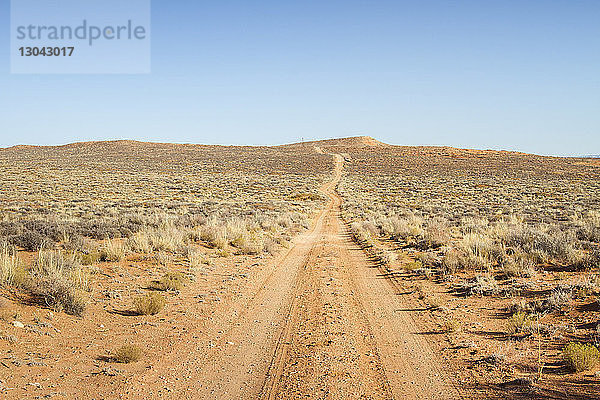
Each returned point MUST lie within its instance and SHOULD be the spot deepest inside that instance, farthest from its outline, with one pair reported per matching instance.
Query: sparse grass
(90, 259)
(140, 242)
(413, 265)
(481, 285)
(112, 251)
(128, 353)
(149, 304)
(519, 322)
(12, 270)
(172, 281)
(580, 357)
(163, 258)
(450, 325)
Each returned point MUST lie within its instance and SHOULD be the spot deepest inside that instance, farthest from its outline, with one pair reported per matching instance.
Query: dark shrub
(47, 229)
(59, 293)
(30, 241)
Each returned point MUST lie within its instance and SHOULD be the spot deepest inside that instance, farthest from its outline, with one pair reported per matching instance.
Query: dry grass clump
(12, 270)
(589, 226)
(559, 298)
(214, 234)
(127, 354)
(246, 237)
(517, 265)
(112, 251)
(437, 233)
(519, 322)
(580, 357)
(450, 325)
(54, 280)
(168, 238)
(140, 242)
(481, 285)
(364, 234)
(197, 259)
(150, 304)
(59, 281)
(172, 281)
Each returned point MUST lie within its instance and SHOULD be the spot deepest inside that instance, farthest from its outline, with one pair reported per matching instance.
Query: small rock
(18, 324)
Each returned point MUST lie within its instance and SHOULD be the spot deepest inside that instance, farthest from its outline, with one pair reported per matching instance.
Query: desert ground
(335, 269)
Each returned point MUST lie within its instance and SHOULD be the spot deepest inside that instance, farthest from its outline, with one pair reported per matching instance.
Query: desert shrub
(10, 228)
(30, 241)
(589, 227)
(519, 322)
(413, 265)
(518, 265)
(481, 285)
(127, 354)
(559, 297)
(140, 242)
(75, 242)
(150, 304)
(47, 229)
(57, 280)
(112, 251)
(171, 281)
(580, 357)
(450, 325)
(58, 292)
(270, 245)
(214, 234)
(99, 230)
(546, 244)
(451, 262)
(437, 233)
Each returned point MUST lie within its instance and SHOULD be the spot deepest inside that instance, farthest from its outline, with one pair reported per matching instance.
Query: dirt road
(320, 323)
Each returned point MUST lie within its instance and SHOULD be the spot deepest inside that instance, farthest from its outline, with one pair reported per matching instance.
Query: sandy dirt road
(320, 323)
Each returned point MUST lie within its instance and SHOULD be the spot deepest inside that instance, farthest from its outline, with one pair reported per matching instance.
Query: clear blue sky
(518, 75)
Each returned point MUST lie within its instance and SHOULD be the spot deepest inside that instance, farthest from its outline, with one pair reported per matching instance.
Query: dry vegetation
(96, 235)
(88, 203)
(502, 248)
(507, 243)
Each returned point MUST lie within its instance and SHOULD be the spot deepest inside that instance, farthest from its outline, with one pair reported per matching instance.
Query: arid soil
(320, 318)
